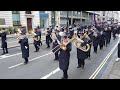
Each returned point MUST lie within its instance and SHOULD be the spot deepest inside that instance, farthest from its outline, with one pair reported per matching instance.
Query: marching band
(62, 38)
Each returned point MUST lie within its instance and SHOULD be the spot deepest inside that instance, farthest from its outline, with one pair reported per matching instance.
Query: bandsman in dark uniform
(24, 46)
(39, 34)
(95, 41)
(4, 42)
(36, 43)
(91, 38)
(64, 58)
(101, 39)
(48, 38)
(55, 45)
(106, 36)
(81, 55)
(109, 34)
(114, 33)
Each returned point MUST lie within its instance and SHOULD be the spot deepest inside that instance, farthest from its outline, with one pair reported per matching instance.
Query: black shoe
(78, 66)
(6, 52)
(95, 52)
(89, 58)
(26, 62)
(35, 51)
(63, 78)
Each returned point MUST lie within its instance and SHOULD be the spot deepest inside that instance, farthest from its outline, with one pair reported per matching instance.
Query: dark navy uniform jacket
(24, 47)
(3, 40)
(64, 58)
(95, 41)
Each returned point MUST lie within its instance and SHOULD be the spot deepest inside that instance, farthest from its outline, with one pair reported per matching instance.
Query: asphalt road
(44, 66)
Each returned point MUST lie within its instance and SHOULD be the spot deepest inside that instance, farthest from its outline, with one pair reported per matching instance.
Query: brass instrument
(33, 34)
(78, 43)
(18, 34)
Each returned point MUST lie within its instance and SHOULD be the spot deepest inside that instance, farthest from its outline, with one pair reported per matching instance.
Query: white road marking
(30, 60)
(103, 63)
(51, 73)
(5, 56)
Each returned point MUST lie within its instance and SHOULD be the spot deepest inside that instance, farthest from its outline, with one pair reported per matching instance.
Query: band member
(24, 47)
(109, 34)
(64, 58)
(48, 38)
(101, 39)
(95, 41)
(106, 36)
(39, 34)
(4, 42)
(118, 52)
(114, 33)
(36, 43)
(81, 55)
(91, 38)
(55, 44)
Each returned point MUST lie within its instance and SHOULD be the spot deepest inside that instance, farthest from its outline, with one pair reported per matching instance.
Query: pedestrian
(118, 52)
(64, 58)
(4, 42)
(24, 46)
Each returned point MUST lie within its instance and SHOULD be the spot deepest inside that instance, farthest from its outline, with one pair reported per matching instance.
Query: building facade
(44, 19)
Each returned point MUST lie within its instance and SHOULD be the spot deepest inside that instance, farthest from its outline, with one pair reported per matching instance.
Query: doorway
(29, 23)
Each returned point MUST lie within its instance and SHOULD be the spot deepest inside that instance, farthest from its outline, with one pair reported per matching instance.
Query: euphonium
(78, 43)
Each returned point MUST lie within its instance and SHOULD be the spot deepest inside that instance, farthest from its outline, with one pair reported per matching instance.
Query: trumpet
(17, 34)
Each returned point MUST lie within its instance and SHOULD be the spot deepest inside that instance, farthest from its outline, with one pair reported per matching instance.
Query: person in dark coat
(39, 34)
(4, 42)
(81, 55)
(109, 34)
(55, 45)
(48, 38)
(91, 38)
(106, 36)
(64, 58)
(118, 52)
(114, 33)
(36, 43)
(24, 47)
(101, 40)
(95, 41)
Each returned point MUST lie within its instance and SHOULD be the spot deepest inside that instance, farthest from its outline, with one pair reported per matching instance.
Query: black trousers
(106, 42)
(81, 62)
(36, 47)
(65, 75)
(95, 49)
(101, 47)
(26, 59)
(56, 56)
(88, 53)
(48, 45)
(5, 50)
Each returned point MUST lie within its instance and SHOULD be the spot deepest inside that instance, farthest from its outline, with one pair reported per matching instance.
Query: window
(16, 18)
(28, 12)
(42, 11)
(2, 21)
(15, 12)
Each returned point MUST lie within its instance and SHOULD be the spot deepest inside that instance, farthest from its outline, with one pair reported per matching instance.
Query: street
(43, 66)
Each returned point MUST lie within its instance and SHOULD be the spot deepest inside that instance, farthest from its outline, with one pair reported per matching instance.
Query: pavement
(43, 66)
(113, 69)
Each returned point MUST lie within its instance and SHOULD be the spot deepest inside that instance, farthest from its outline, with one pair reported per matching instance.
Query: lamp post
(67, 19)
